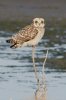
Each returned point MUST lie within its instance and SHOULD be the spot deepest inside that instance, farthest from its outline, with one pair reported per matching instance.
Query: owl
(29, 35)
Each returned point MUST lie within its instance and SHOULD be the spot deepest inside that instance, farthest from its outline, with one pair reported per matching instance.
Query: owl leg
(35, 69)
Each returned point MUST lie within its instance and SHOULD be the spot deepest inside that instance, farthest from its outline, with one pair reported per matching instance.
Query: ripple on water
(17, 73)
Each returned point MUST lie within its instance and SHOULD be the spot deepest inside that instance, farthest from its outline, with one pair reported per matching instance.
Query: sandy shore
(20, 9)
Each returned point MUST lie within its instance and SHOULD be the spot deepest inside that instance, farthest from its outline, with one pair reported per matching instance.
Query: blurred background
(17, 78)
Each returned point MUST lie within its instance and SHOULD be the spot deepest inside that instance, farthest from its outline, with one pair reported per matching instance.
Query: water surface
(17, 79)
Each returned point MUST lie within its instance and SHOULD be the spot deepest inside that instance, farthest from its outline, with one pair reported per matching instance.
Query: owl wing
(26, 34)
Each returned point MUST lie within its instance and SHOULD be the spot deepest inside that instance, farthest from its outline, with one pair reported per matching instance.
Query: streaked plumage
(30, 35)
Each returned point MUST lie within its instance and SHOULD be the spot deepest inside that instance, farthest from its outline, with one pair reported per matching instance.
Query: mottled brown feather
(24, 35)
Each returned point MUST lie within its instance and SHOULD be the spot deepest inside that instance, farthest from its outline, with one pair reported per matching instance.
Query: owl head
(38, 22)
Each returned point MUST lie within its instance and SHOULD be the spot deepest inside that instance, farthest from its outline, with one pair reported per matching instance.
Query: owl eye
(42, 22)
(36, 22)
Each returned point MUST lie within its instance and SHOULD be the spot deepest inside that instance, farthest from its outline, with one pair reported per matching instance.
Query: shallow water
(17, 80)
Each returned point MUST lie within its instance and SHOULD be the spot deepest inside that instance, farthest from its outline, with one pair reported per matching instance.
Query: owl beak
(39, 24)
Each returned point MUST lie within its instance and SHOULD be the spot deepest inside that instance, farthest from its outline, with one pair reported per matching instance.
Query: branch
(43, 69)
(35, 69)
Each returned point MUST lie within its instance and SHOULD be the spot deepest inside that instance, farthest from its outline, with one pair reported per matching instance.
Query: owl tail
(13, 46)
(9, 41)
(12, 42)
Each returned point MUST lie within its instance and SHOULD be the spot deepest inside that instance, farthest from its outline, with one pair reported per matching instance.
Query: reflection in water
(42, 97)
(41, 94)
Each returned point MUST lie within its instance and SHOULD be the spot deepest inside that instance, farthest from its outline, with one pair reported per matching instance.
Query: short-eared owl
(30, 35)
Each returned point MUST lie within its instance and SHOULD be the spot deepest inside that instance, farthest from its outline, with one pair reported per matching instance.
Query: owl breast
(37, 38)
